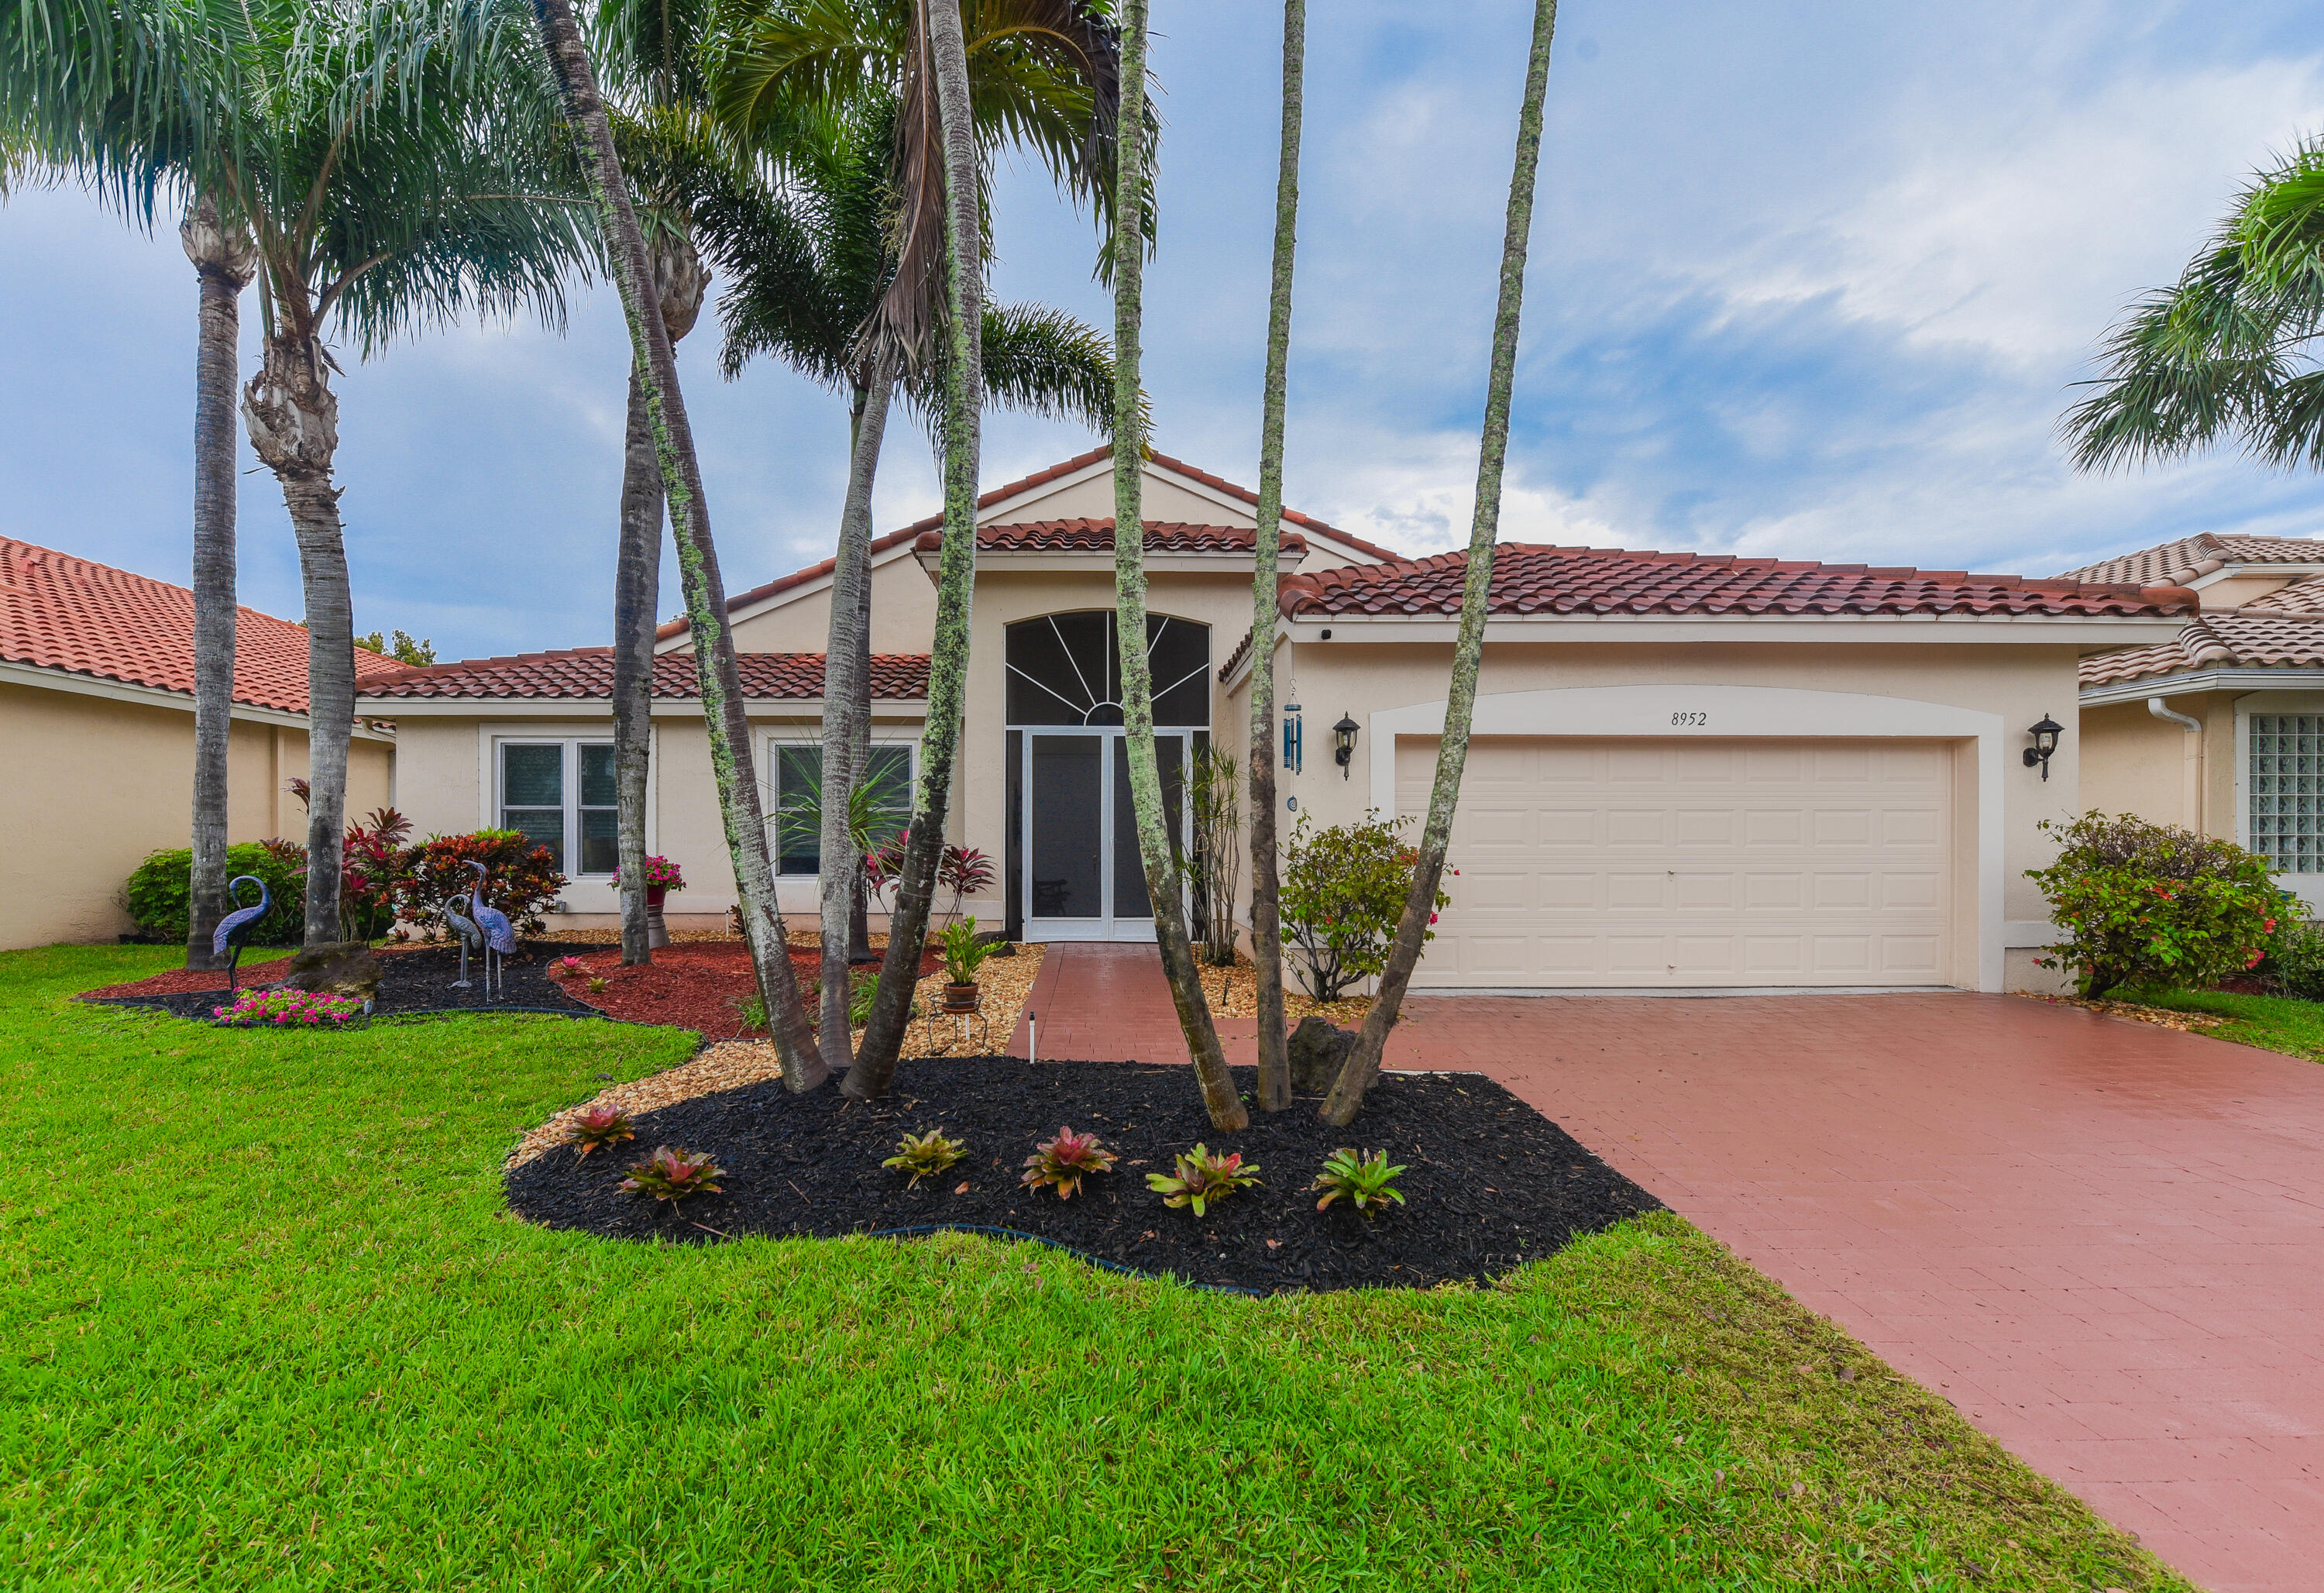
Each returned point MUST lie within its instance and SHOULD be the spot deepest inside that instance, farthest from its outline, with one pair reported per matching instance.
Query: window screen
(532, 793)
(1064, 669)
(886, 803)
(600, 814)
(2287, 789)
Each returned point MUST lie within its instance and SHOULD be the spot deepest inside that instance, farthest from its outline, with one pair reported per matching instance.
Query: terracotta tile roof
(1533, 579)
(588, 671)
(2176, 563)
(1006, 490)
(2236, 639)
(2301, 596)
(64, 613)
(1096, 536)
(1234, 659)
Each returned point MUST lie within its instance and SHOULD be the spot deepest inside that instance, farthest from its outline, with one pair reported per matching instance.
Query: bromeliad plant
(254, 1009)
(1063, 1162)
(924, 1155)
(672, 1175)
(1366, 1183)
(600, 1128)
(1202, 1178)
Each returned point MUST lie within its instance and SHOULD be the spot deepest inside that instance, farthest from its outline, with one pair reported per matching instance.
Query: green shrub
(160, 893)
(2152, 904)
(1343, 891)
(2294, 963)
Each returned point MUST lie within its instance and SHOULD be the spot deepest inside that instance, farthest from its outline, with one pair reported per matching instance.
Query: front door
(1083, 878)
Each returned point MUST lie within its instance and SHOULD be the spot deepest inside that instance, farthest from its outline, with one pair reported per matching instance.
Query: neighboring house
(96, 716)
(2220, 727)
(1689, 772)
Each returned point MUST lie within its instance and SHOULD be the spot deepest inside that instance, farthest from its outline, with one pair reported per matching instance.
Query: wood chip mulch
(2162, 1017)
(693, 985)
(1233, 992)
(734, 1063)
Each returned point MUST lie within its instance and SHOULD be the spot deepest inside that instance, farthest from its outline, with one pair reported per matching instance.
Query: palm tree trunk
(1363, 1061)
(720, 677)
(963, 400)
(221, 257)
(1265, 916)
(1162, 887)
(293, 419)
(637, 587)
(846, 711)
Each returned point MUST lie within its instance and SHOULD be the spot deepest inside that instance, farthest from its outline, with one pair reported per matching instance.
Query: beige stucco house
(96, 721)
(1689, 772)
(2219, 727)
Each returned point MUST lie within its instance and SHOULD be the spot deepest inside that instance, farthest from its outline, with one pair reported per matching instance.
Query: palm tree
(1162, 887)
(99, 92)
(2228, 352)
(224, 258)
(719, 674)
(1266, 920)
(946, 62)
(1363, 1061)
(398, 167)
(1041, 75)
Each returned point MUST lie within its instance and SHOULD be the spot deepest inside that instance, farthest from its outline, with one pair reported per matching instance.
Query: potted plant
(964, 954)
(662, 877)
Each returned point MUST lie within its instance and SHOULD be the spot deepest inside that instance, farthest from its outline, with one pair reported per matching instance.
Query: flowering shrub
(1061, 1162)
(661, 872)
(1203, 1177)
(1343, 891)
(254, 1009)
(672, 1175)
(2294, 964)
(2142, 904)
(523, 880)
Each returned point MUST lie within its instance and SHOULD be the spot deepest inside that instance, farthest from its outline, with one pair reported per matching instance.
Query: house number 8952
(1692, 720)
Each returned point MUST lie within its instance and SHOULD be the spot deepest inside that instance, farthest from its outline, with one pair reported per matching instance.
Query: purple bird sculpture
(237, 927)
(500, 935)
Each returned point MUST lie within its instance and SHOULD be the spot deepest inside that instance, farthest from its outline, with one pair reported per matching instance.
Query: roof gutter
(2187, 684)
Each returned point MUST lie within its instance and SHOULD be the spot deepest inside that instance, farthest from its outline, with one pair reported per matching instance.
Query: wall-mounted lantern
(2045, 742)
(1343, 743)
(1291, 739)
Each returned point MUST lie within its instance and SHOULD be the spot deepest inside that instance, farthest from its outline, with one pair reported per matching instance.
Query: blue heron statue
(237, 927)
(500, 936)
(466, 929)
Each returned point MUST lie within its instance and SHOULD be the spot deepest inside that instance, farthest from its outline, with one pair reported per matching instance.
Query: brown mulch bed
(2162, 1017)
(187, 981)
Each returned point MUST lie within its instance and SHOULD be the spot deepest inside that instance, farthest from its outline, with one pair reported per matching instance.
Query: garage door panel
(1693, 862)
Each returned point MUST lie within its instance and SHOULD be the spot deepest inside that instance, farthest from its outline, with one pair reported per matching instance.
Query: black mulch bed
(420, 980)
(1492, 1182)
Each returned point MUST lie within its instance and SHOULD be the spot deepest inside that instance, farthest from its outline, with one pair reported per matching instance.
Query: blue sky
(1810, 280)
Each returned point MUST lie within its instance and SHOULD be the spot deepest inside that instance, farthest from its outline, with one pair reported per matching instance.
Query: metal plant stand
(967, 1021)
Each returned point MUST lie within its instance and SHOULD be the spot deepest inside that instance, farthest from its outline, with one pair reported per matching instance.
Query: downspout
(2191, 762)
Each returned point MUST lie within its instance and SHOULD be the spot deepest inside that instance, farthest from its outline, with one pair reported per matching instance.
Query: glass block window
(2287, 789)
(561, 793)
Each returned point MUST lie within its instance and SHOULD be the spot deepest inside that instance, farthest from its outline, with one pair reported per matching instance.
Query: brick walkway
(2104, 1242)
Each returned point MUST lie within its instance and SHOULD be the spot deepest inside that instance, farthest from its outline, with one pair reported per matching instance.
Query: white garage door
(1681, 863)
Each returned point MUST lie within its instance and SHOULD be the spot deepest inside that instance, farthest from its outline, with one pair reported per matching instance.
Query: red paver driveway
(2104, 1242)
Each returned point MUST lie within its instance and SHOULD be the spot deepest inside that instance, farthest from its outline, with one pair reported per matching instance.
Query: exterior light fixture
(1291, 737)
(1343, 743)
(2045, 741)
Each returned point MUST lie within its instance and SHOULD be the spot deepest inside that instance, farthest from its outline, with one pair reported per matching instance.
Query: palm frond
(1038, 360)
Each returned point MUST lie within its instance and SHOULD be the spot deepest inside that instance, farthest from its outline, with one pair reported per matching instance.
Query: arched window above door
(1063, 669)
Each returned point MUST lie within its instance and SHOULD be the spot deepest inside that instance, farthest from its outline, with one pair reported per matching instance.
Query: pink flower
(1432, 918)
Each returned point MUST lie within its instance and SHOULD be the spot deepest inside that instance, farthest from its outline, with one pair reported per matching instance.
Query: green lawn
(2272, 1022)
(265, 1323)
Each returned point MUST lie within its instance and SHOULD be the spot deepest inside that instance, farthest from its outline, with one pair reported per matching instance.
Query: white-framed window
(561, 793)
(796, 775)
(2284, 787)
